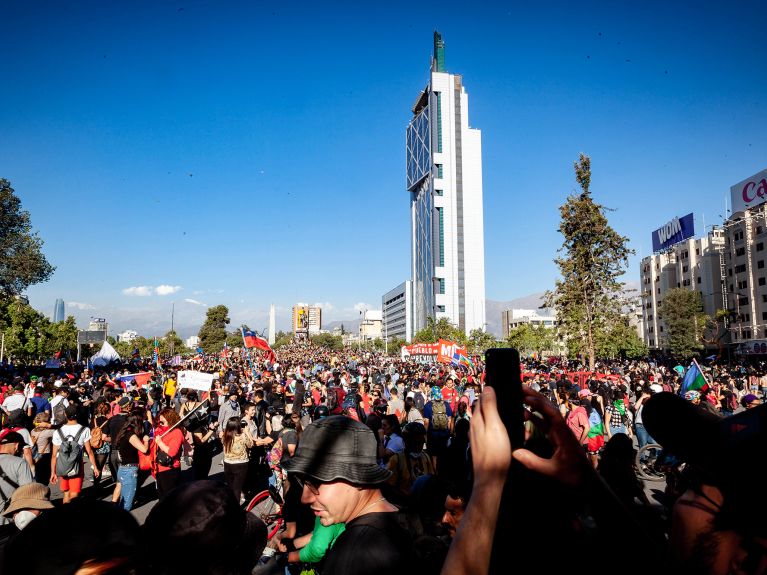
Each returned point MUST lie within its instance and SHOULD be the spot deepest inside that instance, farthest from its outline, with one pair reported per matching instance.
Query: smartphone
(503, 375)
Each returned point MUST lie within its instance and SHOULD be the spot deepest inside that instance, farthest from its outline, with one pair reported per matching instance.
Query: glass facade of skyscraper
(58, 311)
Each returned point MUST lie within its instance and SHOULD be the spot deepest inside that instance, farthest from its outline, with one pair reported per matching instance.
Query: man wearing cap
(336, 464)
(14, 471)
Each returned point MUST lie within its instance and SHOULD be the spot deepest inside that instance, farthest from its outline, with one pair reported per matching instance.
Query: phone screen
(503, 375)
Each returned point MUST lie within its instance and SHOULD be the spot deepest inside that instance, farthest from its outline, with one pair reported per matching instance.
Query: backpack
(59, 417)
(438, 416)
(275, 454)
(5, 499)
(69, 460)
(97, 436)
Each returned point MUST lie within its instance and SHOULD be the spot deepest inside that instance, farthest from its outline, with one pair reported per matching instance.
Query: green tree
(62, 337)
(620, 341)
(213, 331)
(111, 341)
(171, 342)
(480, 341)
(439, 329)
(22, 262)
(528, 339)
(234, 339)
(334, 342)
(588, 297)
(682, 313)
(282, 338)
(395, 345)
(25, 329)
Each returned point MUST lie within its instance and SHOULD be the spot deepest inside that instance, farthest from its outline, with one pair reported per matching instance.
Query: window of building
(764, 315)
(441, 217)
(748, 317)
(740, 252)
(743, 301)
(652, 342)
(698, 279)
(441, 308)
(743, 284)
(439, 170)
(761, 281)
(759, 229)
(760, 246)
(729, 272)
(439, 192)
(658, 290)
(439, 122)
(697, 251)
(650, 317)
(660, 328)
(651, 329)
(732, 288)
(740, 269)
(747, 335)
(441, 285)
(685, 269)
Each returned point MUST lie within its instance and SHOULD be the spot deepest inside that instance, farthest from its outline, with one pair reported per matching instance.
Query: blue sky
(249, 153)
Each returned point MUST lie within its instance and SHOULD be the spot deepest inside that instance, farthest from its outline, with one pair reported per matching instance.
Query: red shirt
(174, 440)
(451, 397)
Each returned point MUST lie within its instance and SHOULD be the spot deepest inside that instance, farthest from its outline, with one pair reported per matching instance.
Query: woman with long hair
(168, 451)
(236, 440)
(129, 441)
(101, 453)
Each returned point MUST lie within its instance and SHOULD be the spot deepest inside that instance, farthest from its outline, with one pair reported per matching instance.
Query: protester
(68, 444)
(237, 440)
(168, 442)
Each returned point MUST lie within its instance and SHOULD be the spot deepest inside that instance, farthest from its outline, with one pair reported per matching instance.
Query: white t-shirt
(13, 402)
(72, 429)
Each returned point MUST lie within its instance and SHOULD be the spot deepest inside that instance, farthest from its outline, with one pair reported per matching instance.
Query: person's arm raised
(491, 457)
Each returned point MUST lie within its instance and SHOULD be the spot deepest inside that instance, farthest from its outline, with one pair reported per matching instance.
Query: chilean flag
(250, 340)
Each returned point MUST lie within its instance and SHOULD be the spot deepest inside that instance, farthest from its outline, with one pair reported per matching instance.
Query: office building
(397, 310)
(58, 311)
(192, 342)
(444, 179)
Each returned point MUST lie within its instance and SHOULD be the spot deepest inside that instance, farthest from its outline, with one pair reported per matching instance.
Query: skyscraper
(58, 311)
(444, 178)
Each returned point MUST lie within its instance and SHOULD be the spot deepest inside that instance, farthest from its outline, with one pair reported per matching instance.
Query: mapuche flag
(693, 380)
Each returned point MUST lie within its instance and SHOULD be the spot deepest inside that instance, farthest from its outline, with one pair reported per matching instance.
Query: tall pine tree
(588, 298)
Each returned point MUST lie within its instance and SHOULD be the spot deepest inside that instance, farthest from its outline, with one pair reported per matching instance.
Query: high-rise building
(58, 311)
(307, 320)
(396, 306)
(444, 178)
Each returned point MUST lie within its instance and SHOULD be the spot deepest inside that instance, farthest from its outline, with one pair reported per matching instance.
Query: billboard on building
(673, 232)
(300, 319)
(749, 193)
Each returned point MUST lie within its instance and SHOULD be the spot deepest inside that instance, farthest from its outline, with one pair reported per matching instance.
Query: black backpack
(69, 460)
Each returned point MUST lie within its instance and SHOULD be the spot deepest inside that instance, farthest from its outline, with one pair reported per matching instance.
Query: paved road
(146, 497)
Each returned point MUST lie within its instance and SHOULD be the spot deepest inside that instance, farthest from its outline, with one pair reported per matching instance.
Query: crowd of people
(379, 464)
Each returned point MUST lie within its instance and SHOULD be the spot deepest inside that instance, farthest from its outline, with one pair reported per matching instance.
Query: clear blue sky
(253, 152)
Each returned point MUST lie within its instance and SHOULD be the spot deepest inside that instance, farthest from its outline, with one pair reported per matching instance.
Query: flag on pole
(156, 353)
(251, 340)
(134, 379)
(694, 380)
(225, 351)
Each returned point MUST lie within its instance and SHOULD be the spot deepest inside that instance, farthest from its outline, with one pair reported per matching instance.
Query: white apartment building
(694, 264)
(444, 178)
(514, 318)
(371, 326)
(192, 342)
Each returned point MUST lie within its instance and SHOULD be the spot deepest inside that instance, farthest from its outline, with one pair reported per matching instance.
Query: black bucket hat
(338, 448)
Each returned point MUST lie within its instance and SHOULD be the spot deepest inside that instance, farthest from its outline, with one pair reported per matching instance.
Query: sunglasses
(303, 482)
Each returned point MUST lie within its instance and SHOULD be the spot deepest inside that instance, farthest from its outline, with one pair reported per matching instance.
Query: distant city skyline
(249, 155)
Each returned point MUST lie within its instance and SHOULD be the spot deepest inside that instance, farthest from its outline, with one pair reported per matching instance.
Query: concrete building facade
(396, 307)
(444, 179)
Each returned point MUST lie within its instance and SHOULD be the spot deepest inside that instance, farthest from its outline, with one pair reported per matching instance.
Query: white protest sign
(196, 380)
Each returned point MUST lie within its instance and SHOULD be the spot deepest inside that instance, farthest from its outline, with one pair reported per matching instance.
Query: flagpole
(250, 359)
(695, 361)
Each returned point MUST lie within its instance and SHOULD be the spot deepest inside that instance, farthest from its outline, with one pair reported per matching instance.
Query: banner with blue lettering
(673, 232)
